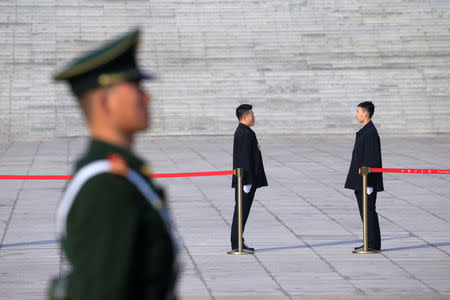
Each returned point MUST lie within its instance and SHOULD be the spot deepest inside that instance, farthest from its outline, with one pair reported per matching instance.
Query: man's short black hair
(242, 110)
(368, 106)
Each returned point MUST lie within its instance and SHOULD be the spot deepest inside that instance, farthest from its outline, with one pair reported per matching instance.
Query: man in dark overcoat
(112, 220)
(246, 155)
(367, 153)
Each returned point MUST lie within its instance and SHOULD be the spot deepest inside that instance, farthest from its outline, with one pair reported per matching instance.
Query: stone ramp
(305, 65)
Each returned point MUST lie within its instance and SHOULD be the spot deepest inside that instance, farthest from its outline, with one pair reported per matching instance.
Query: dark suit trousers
(373, 230)
(247, 200)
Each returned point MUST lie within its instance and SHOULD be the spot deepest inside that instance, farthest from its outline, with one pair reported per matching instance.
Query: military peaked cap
(112, 63)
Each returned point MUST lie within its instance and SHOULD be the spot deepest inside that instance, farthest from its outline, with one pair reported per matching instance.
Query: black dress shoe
(359, 248)
(373, 250)
(244, 246)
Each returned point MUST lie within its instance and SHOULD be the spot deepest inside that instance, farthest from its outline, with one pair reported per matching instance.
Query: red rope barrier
(193, 174)
(409, 171)
(36, 177)
(68, 177)
(216, 173)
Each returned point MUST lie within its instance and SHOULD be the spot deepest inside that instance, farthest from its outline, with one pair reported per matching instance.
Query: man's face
(361, 115)
(128, 104)
(249, 118)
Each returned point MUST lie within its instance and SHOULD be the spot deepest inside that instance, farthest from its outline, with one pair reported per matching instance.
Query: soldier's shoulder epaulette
(118, 165)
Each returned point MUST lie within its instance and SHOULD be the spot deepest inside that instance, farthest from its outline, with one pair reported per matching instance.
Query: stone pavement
(304, 225)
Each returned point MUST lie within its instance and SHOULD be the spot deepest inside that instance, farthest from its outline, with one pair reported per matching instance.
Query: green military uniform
(116, 241)
(118, 244)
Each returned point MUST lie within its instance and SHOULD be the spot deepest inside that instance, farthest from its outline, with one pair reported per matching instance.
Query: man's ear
(367, 114)
(101, 100)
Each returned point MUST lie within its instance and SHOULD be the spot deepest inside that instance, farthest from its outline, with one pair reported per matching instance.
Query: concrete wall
(304, 65)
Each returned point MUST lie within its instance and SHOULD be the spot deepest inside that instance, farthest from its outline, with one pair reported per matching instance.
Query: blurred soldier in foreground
(113, 221)
(367, 153)
(246, 155)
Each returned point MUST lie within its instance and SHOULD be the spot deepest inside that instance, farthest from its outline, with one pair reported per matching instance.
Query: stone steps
(305, 65)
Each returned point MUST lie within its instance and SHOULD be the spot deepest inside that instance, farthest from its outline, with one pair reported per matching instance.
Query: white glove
(369, 190)
(247, 188)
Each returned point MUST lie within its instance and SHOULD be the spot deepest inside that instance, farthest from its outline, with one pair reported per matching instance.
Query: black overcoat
(247, 155)
(366, 152)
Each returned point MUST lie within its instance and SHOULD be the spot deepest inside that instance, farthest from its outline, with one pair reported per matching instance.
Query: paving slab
(303, 225)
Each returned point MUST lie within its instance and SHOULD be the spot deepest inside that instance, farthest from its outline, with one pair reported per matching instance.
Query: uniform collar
(365, 127)
(99, 148)
(244, 126)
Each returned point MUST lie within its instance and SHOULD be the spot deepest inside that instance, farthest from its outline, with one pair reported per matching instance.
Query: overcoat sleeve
(371, 151)
(244, 158)
(371, 157)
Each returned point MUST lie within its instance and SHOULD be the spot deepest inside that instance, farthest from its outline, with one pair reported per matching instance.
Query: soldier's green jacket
(116, 242)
